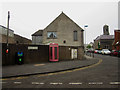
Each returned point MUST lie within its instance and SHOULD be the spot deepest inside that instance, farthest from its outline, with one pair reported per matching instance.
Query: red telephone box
(53, 52)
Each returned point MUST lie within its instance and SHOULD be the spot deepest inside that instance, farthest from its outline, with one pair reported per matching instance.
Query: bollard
(93, 54)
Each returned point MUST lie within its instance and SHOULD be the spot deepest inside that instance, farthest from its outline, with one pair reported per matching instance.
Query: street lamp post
(85, 26)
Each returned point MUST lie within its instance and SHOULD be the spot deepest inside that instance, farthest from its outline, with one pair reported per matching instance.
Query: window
(51, 35)
(75, 36)
(106, 29)
(106, 46)
(64, 41)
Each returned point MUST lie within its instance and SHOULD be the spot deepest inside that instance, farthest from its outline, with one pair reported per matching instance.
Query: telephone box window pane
(55, 52)
(51, 52)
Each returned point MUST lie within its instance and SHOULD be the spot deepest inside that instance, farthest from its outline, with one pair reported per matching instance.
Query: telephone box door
(53, 52)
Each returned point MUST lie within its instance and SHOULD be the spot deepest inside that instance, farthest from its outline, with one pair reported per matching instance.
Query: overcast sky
(28, 17)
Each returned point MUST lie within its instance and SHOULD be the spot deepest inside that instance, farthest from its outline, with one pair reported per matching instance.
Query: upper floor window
(51, 35)
(75, 36)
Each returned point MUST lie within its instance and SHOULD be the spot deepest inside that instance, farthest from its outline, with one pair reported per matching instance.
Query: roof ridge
(62, 13)
(6, 28)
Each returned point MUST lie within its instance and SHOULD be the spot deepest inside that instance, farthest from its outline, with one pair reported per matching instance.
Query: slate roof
(38, 33)
(105, 37)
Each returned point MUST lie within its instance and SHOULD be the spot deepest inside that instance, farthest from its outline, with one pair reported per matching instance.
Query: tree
(89, 46)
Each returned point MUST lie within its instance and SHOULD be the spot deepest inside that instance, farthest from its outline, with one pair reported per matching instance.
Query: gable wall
(64, 28)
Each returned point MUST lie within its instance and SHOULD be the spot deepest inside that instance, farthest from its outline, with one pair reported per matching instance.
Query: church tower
(106, 30)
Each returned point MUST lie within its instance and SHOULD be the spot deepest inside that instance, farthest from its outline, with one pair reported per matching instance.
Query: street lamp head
(8, 14)
(85, 25)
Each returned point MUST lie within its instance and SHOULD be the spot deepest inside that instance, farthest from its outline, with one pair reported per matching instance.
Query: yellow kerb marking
(15, 78)
(39, 64)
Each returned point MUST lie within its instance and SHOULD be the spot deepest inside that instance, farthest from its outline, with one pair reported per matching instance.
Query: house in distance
(63, 31)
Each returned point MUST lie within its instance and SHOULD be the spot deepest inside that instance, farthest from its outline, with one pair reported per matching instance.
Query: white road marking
(37, 83)
(56, 83)
(116, 83)
(79, 83)
(17, 82)
(94, 83)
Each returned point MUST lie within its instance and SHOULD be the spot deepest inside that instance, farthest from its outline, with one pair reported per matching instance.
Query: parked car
(115, 53)
(112, 53)
(105, 51)
(99, 51)
(119, 53)
(96, 51)
(90, 50)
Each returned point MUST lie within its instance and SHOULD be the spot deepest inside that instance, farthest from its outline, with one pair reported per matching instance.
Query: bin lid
(20, 53)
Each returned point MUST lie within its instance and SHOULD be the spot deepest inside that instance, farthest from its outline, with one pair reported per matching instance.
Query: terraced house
(63, 31)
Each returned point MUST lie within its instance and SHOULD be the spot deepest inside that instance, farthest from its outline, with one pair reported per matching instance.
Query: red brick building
(116, 43)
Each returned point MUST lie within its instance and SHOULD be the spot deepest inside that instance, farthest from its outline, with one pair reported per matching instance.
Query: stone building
(21, 40)
(63, 31)
(3, 34)
(104, 41)
(116, 43)
(37, 37)
(12, 38)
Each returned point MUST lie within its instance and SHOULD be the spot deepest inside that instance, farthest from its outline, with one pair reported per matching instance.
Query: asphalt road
(104, 75)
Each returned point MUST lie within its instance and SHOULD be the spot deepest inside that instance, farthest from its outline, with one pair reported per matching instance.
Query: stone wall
(4, 39)
(64, 28)
(37, 40)
(80, 53)
(21, 40)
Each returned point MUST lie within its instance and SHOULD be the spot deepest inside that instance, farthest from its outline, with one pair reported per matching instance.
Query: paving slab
(41, 68)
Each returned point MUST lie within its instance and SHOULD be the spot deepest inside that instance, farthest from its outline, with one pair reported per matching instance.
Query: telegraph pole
(8, 30)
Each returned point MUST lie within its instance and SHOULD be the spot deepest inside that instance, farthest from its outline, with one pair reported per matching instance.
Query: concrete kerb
(88, 57)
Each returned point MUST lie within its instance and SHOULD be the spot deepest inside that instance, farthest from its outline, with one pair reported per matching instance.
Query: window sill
(75, 40)
(51, 38)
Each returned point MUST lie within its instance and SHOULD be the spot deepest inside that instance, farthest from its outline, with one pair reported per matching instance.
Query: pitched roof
(38, 33)
(64, 15)
(6, 28)
(105, 37)
(16, 35)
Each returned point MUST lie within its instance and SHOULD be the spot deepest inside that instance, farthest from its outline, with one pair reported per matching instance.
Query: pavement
(44, 68)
